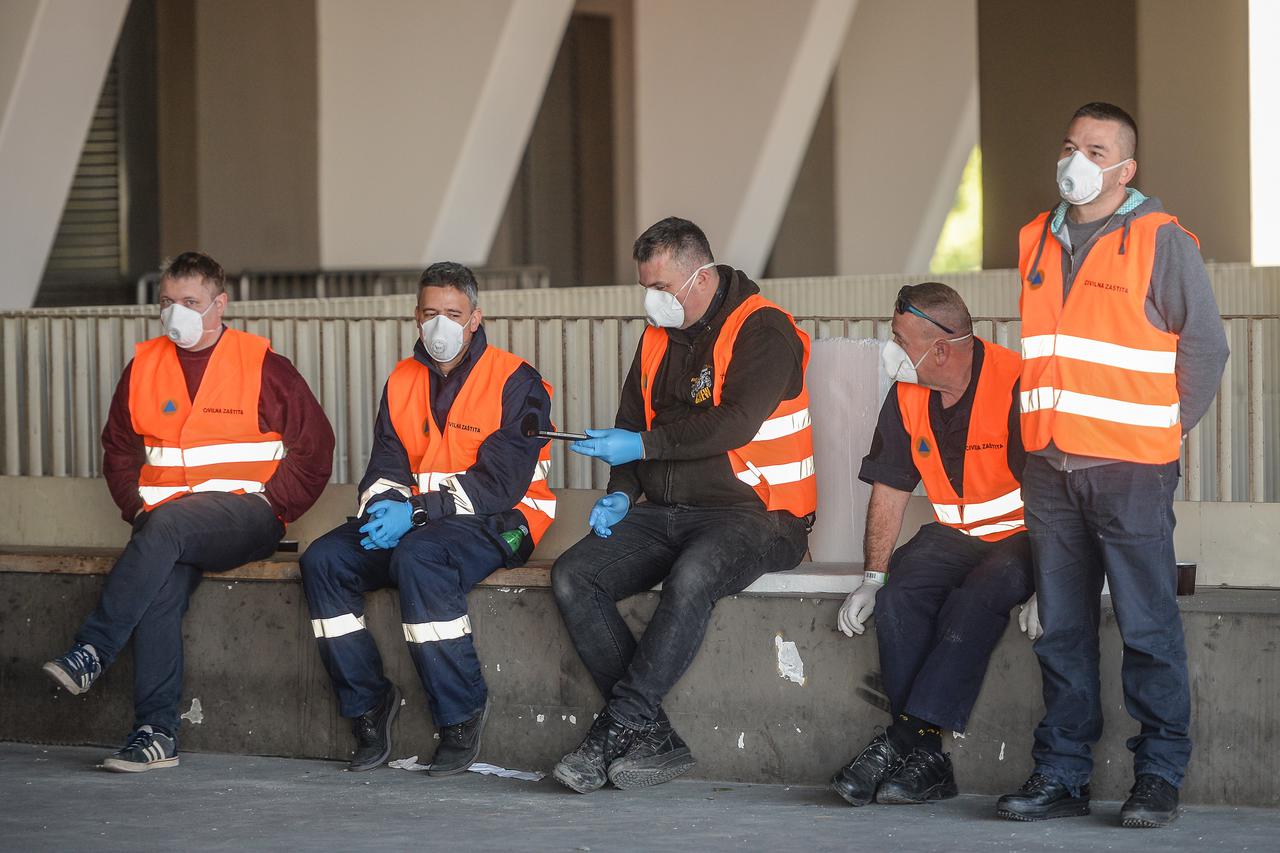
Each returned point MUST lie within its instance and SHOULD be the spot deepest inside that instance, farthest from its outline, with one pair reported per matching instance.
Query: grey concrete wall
(251, 662)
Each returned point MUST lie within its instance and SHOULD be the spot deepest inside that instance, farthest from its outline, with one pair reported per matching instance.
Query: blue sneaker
(75, 671)
(146, 749)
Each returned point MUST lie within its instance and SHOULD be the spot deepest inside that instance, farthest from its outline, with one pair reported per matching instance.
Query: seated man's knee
(323, 559)
(568, 578)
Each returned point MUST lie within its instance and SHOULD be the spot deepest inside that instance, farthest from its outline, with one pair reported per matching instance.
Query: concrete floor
(56, 798)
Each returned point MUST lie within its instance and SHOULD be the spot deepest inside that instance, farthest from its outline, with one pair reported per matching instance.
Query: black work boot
(1152, 803)
(1041, 798)
(656, 755)
(858, 780)
(373, 732)
(459, 745)
(586, 768)
(926, 775)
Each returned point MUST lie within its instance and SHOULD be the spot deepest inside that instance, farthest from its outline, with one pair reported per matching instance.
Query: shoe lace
(366, 728)
(1148, 786)
(1036, 783)
(916, 765)
(138, 740)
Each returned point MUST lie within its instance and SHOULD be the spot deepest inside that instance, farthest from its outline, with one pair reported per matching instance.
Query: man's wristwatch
(419, 516)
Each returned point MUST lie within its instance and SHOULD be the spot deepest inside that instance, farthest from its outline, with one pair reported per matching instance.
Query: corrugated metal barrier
(61, 369)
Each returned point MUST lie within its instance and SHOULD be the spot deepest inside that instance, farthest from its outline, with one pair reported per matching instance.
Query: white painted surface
(1264, 129)
(53, 58)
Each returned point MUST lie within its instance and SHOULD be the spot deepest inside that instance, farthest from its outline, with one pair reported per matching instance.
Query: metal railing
(337, 283)
(60, 371)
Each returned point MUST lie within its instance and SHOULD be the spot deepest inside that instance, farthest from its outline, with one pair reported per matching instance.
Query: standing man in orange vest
(1122, 352)
(712, 485)
(212, 444)
(951, 420)
(454, 491)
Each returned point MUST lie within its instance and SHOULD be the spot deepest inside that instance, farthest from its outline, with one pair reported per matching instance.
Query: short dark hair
(684, 240)
(941, 303)
(450, 274)
(196, 265)
(1102, 111)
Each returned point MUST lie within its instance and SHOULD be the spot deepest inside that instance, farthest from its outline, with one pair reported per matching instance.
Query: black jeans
(1113, 522)
(146, 594)
(941, 614)
(699, 555)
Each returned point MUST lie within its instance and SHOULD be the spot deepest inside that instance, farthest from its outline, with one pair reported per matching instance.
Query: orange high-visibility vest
(436, 459)
(212, 443)
(991, 508)
(778, 461)
(1097, 377)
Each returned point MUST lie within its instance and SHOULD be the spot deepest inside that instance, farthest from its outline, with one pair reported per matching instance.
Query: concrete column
(727, 93)
(53, 58)
(1037, 63)
(1193, 117)
(256, 154)
(1264, 130)
(425, 108)
(906, 95)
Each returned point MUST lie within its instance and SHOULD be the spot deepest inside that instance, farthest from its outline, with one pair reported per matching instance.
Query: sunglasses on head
(904, 306)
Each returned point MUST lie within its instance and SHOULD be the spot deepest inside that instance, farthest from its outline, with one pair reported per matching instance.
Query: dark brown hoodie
(686, 459)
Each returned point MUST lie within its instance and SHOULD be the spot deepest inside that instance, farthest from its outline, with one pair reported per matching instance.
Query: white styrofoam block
(846, 387)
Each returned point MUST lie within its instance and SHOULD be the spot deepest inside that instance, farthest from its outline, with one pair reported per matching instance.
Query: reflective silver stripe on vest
(969, 513)
(214, 454)
(1099, 408)
(547, 507)
(783, 425)
(1099, 352)
(998, 527)
(777, 475)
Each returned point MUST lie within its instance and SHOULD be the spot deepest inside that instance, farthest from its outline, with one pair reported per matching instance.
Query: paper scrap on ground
(411, 763)
(492, 770)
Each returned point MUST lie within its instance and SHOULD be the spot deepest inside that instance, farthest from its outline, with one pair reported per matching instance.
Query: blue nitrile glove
(388, 521)
(607, 512)
(615, 446)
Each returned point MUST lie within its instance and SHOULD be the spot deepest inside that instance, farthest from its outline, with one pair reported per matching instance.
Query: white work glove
(858, 607)
(1029, 619)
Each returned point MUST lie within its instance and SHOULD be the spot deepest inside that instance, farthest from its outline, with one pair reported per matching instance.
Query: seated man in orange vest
(212, 444)
(943, 598)
(454, 491)
(713, 433)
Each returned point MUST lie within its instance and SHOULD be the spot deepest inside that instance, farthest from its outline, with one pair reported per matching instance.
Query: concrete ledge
(253, 667)
(805, 579)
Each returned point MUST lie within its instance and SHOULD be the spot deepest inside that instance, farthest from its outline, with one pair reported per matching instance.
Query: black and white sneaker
(656, 755)
(146, 749)
(75, 671)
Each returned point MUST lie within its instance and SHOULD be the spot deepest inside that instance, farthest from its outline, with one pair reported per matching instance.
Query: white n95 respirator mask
(899, 367)
(442, 338)
(1080, 179)
(184, 326)
(663, 308)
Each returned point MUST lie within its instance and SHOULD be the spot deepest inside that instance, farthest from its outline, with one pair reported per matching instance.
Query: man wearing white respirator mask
(455, 490)
(942, 600)
(212, 444)
(711, 485)
(1122, 352)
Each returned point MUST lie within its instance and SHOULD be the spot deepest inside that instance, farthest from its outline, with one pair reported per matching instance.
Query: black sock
(908, 733)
